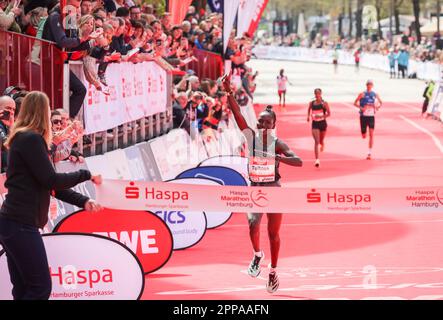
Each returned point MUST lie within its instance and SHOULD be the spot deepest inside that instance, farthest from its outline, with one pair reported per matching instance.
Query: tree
(351, 22)
(359, 18)
(378, 6)
(416, 6)
(397, 5)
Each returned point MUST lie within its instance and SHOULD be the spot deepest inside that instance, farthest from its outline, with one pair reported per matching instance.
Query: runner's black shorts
(365, 122)
(320, 125)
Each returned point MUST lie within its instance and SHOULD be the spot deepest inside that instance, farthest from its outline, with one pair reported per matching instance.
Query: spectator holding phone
(7, 111)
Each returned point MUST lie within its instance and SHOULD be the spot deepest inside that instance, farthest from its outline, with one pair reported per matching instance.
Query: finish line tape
(140, 195)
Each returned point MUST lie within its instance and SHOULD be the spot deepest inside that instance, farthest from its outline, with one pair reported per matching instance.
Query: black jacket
(31, 179)
(4, 132)
(53, 31)
(118, 44)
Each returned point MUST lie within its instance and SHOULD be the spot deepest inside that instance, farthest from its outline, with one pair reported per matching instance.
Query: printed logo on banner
(313, 196)
(206, 172)
(132, 192)
(142, 232)
(425, 198)
(86, 267)
(259, 198)
(341, 201)
(187, 227)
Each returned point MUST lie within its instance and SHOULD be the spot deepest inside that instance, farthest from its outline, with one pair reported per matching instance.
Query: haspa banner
(145, 234)
(86, 267)
(130, 195)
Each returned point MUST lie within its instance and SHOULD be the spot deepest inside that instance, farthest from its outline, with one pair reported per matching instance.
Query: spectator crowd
(403, 49)
(112, 31)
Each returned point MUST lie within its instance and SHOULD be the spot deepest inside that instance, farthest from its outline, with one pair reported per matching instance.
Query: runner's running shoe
(273, 282)
(254, 267)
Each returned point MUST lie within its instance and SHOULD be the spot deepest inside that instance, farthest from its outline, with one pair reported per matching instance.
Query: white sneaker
(317, 163)
(254, 268)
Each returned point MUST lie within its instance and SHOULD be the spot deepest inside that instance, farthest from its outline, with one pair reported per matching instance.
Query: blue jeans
(27, 260)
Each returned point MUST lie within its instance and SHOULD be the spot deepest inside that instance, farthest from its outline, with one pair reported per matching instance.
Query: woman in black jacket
(31, 179)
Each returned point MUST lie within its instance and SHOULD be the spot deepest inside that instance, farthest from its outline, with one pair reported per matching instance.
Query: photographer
(7, 112)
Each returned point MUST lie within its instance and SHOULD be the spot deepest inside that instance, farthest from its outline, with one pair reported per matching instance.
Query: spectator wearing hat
(200, 40)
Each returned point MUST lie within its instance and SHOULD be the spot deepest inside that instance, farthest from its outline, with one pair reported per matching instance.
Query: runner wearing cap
(318, 111)
(368, 103)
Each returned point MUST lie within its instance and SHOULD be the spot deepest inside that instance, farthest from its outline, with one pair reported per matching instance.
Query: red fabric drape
(178, 9)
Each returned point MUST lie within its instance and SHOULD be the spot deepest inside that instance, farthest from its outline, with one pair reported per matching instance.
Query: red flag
(178, 9)
(261, 5)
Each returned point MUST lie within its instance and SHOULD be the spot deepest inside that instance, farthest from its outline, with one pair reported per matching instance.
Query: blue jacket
(403, 58)
(392, 59)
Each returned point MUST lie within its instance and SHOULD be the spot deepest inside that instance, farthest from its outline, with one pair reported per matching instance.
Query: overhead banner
(249, 15)
(136, 91)
(130, 195)
(230, 8)
(86, 267)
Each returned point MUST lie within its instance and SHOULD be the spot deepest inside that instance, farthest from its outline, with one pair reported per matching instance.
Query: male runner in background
(367, 103)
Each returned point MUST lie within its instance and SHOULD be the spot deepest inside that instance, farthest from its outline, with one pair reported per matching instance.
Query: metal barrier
(209, 64)
(31, 64)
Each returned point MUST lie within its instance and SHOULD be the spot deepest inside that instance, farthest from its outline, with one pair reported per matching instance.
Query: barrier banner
(213, 219)
(136, 91)
(145, 234)
(423, 70)
(173, 153)
(130, 195)
(187, 227)
(86, 267)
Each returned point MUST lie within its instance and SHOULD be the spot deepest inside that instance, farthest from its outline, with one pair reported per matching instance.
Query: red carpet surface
(343, 256)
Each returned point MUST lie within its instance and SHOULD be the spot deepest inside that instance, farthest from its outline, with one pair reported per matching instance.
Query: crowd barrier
(138, 108)
(31, 64)
(423, 70)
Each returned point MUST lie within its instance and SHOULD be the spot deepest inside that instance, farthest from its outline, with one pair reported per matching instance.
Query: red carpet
(331, 256)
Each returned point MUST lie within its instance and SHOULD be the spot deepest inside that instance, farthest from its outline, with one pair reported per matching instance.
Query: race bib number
(261, 169)
(318, 115)
(369, 110)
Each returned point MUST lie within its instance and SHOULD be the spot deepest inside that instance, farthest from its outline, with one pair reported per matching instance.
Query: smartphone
(6, 115)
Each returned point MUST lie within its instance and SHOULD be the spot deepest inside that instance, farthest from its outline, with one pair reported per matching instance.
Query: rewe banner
(143, 232)
(130, 195)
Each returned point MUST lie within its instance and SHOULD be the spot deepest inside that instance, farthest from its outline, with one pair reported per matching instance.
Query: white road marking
(426, 131)
(344, 223)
